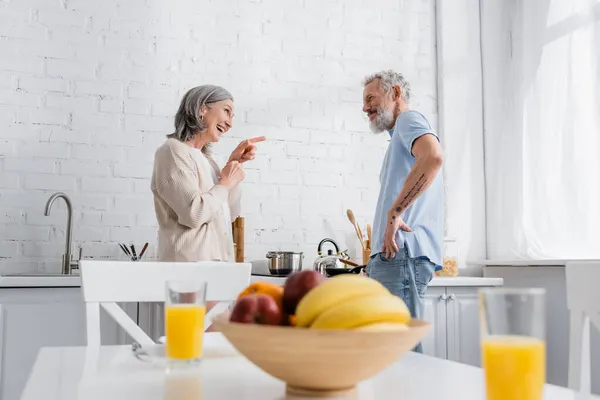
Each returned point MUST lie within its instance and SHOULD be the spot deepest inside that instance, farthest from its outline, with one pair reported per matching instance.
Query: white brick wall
(88, 90)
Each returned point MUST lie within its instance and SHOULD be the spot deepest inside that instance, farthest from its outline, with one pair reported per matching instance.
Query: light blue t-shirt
(426, 215)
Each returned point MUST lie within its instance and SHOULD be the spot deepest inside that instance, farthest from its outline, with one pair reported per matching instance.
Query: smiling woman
(194, 200)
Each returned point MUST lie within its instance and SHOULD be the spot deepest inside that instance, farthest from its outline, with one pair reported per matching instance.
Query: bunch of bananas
(352, 302)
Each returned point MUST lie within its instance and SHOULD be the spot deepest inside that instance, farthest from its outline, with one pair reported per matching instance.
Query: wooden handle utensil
(356, 227)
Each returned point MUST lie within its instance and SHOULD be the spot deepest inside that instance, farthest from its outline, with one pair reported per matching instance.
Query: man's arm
(429, 158)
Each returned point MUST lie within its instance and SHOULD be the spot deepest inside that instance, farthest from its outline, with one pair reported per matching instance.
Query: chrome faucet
(68, 264)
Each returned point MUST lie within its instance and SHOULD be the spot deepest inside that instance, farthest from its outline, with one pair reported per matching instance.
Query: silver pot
(284, 263)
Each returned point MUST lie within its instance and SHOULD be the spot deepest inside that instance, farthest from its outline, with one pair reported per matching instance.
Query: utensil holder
(130, 253)
(366, 255)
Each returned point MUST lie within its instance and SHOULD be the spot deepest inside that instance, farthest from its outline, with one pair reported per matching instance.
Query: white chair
(583, 301)
(105, 283)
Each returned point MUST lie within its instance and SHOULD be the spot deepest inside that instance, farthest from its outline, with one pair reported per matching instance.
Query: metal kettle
(330, 260)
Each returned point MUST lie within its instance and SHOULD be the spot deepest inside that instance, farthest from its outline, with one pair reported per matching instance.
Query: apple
(256, 309)
(296, 286)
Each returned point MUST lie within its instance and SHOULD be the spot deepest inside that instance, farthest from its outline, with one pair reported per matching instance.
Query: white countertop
(443, 282)
(111, 372)
(525, 263)
(75, 281)
(39, 281)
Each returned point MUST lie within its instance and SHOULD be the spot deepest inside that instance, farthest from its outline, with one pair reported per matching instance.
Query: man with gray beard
(408, 229)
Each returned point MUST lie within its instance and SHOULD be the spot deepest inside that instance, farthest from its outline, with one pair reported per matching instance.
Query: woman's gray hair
(188, 120)
(388, 79)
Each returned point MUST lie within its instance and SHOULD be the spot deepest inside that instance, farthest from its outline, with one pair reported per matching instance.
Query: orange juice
(515, 367)
(184, 327)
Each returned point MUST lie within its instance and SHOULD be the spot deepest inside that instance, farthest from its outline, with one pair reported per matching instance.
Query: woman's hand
(232, 174)
(246, 150)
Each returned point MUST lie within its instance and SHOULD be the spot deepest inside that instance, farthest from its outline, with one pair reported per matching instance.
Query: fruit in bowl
(296, 287)
(257, 308)
(348, 302)
(344, 330)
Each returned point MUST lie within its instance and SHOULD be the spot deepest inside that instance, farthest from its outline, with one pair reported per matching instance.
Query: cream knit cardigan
(189, 207)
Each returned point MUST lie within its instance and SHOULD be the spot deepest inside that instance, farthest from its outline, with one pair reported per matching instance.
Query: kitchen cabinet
(434, 344)
(111, 334)
(462, 324)
(151, 319)
(454, 315)
(31, 318)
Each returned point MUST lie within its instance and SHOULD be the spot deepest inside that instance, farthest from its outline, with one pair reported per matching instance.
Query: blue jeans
(405, 277)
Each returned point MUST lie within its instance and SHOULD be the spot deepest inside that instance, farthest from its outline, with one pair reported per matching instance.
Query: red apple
(296, 286)
(256, 309)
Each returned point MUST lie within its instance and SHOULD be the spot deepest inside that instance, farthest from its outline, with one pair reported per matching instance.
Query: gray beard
(381, 122)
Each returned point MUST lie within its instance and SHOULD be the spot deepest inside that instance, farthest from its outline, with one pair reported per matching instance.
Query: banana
(383, 326)
(363, 310)
(332, 292)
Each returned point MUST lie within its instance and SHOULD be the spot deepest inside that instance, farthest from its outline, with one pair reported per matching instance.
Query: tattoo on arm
(418, 186)
(415, 190)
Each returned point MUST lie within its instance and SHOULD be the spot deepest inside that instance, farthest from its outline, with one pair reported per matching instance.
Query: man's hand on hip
(394, 223)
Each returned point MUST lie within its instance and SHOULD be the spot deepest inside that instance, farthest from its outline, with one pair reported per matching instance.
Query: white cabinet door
(151, 319)
(31, 319)
(434, 344)
(111, 333)
(463, 325)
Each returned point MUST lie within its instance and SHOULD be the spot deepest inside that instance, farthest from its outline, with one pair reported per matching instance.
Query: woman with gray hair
(194, 200)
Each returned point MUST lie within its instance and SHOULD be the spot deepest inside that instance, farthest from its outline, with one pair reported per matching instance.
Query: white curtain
(542, 128)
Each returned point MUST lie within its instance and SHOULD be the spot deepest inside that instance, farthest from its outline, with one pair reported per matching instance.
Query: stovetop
(271, 276)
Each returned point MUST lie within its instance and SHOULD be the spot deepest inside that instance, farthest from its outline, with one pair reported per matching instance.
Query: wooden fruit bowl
(320, 363)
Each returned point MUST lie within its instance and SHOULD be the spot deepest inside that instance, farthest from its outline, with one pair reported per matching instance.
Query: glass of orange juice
(185, 309)
(513, 342)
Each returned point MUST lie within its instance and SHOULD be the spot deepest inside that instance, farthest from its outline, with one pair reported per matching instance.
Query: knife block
(237, 228)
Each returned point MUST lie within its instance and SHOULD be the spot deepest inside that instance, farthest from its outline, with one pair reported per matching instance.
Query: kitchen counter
(466, 281)
(40, 281)
(75, 281)
(525, 263)
(461, 281)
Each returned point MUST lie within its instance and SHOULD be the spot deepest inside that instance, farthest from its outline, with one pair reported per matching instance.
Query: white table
(111, 372)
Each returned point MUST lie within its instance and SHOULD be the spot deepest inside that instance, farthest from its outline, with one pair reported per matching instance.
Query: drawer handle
(443, 297)
(452, 297)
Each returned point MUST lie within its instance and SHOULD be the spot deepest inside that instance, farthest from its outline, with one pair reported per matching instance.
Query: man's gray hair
(388, 79)
(188, 121)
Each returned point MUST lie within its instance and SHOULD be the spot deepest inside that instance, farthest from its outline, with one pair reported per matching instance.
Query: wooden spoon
(356, 227)
(348, 262)
(369, 234)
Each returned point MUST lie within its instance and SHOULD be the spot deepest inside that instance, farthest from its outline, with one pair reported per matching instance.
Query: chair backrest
(583, 301)
(104, 283)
